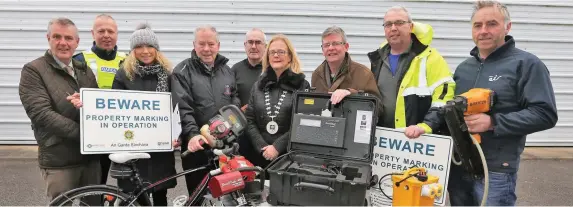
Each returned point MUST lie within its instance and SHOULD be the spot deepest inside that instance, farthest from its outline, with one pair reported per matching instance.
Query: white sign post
(395, 153)
(115, 121)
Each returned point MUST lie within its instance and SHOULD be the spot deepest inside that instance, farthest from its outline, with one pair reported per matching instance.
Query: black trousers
(191, 161)
(159, 198)
(105, 162)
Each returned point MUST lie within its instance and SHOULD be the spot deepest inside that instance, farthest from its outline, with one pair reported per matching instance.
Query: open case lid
(359, 127)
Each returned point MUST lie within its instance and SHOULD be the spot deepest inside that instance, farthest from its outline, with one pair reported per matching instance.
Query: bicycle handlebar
(227, 151)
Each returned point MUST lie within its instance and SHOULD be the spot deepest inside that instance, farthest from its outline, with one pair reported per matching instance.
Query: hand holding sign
(414, 131)
(75, 100)
(176, 143)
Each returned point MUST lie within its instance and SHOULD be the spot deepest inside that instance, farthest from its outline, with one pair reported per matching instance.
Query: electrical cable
(262, 176)
(484, 164)
(380, 184)
(486, 172)
(455, 161)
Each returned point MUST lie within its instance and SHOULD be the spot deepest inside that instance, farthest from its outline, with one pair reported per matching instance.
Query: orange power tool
(475, 101)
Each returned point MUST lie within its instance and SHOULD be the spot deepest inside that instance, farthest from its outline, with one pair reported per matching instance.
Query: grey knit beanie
(143, 35)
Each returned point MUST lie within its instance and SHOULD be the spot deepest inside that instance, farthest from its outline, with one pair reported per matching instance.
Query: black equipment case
(326, 164)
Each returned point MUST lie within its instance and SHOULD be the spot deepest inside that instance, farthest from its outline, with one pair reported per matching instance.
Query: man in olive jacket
(338, 74)
(44, 85)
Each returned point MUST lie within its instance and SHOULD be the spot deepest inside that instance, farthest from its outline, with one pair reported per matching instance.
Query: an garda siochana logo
(128, 134)
(109, 70)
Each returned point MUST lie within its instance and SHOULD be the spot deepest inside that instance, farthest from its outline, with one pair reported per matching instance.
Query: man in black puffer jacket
(203, 84)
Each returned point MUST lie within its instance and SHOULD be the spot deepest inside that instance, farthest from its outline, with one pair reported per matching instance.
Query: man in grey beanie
(204, 83)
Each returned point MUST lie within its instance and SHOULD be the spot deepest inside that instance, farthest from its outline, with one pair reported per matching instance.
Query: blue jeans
(466, 191)
(501, 189)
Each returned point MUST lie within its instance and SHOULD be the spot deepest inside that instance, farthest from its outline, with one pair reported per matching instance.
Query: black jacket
(202, 92)
(525, 100)
(161, 164)
(43, 89)
(257, 114)
(246, 76)
(101, 53)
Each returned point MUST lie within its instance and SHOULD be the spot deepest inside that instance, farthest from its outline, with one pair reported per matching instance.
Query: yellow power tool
(415, 188)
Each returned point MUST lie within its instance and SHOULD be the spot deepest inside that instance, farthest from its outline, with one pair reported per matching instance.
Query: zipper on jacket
(478, 74)
(211, 86)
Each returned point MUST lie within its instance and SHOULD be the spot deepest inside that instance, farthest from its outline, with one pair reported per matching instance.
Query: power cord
(486, 171)
(264, 172)
(380, 184)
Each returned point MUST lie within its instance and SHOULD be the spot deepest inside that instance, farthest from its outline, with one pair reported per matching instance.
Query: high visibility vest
(427, 76)
(104, 70)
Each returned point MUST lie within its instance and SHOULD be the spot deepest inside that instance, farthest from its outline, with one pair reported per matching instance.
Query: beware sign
(395, 153)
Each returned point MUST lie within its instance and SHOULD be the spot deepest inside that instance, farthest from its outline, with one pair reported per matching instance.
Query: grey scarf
(155, 69)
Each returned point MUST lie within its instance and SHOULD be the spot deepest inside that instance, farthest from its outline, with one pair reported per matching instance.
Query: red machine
(222, 131)
(231, 180)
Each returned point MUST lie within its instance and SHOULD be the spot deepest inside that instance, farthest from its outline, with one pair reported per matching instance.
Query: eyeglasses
(398, 23)
(328, 44)
(279, 52)
(254, 42)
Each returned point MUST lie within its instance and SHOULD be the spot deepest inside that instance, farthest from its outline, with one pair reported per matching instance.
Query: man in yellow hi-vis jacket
(104, 60)
(413, 78)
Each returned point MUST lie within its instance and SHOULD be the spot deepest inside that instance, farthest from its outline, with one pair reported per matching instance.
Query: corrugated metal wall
(544, 28)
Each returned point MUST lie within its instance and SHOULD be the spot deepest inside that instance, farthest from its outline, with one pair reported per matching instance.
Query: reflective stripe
(438, 104)
(104, 70)
(440, 82)
(426, 91)
(420, 91)
(422, 82)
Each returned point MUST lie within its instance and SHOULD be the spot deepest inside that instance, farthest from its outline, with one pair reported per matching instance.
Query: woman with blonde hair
(147, 69)
(270, 106)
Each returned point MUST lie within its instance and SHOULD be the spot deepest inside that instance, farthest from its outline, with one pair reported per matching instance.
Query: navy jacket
(525, 101)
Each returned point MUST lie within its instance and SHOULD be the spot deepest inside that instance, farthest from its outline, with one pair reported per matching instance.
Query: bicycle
(222, 145)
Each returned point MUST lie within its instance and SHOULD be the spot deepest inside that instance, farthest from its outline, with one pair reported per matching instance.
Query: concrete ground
(544, 178)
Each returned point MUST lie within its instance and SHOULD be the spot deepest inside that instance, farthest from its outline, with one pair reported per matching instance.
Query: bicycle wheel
(94, 196)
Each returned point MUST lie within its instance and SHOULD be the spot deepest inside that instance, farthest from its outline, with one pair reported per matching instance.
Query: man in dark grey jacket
(203, 84)
(525, 104)
(247, 72)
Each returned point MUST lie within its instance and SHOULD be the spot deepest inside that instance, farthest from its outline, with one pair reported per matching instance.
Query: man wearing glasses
(413, 78)
(246, 74)
(338, 74)
(248, 70)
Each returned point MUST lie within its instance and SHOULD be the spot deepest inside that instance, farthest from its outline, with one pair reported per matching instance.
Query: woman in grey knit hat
(147, 69)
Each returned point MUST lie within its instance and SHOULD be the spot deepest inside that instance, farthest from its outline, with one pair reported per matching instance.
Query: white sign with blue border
(395, 153)
(115, 121)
